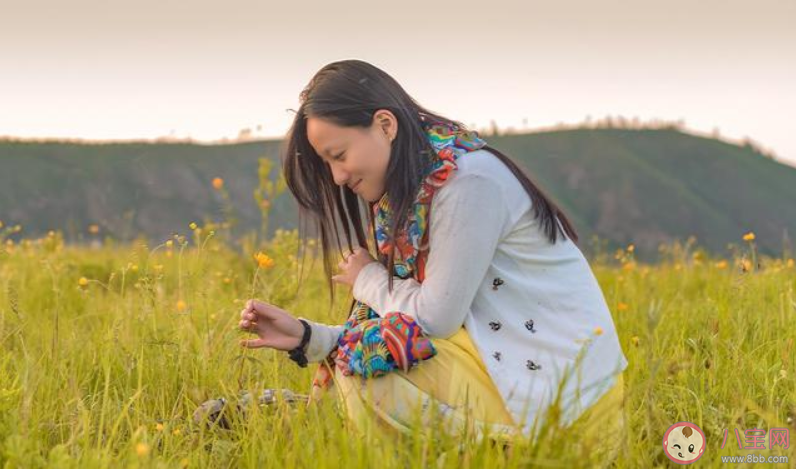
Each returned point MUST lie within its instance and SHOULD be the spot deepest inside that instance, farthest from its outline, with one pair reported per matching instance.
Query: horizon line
(607, 123)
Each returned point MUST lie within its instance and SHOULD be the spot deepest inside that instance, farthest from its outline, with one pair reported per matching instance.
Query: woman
(497, 313)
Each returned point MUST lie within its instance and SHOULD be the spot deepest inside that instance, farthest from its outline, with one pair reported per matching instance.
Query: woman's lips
(355, 185)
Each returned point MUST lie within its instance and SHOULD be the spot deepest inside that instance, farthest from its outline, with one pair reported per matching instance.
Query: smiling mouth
(357, 184)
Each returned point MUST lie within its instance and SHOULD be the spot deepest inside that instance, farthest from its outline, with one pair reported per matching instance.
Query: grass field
(106, 351)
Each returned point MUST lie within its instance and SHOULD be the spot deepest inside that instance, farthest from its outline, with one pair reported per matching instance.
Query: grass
(107, 371)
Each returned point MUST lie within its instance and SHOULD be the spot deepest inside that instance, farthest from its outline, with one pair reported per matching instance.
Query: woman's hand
(351, 266)
(275, 327)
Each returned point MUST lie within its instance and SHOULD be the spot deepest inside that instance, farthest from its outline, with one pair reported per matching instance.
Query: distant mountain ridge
(641, 186)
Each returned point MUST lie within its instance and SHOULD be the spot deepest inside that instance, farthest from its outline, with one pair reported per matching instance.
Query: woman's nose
(340, 176)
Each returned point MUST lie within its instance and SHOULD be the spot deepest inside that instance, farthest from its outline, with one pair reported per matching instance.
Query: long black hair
(348, 93)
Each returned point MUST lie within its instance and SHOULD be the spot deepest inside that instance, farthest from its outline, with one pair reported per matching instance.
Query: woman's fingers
(246, 324)
(246, 314)
(259, 309)
(252, 343)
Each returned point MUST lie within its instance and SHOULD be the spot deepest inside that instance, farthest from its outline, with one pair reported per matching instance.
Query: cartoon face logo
(684, 442)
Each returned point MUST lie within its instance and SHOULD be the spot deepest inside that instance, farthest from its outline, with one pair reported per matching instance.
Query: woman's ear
(387, 123)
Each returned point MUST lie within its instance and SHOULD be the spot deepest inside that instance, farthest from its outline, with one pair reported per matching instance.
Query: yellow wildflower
(159, 427)
(176, 432)
(193, 226)
(93, 229)
(181, 306)
(218, 183)
(622, 306)
(721, 264)
(83, 281)
(749, 236)
(598, 330)
(631, 248)
(263, 260)
(169, 243)
(142, 449)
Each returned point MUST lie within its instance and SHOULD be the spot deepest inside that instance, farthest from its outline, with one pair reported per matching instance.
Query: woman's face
(358, 157)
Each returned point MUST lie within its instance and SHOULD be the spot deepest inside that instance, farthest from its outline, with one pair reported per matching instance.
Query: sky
(144, 69)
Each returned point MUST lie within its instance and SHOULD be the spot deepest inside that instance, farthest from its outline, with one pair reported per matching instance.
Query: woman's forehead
(328, 138)
(325, 136)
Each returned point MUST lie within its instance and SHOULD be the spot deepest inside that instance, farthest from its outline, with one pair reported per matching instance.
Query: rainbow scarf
(372, 345)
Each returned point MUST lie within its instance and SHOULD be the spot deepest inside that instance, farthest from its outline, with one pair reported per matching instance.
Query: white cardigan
(529, 306)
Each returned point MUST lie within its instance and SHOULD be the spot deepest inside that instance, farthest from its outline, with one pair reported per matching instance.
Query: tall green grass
(107, 371)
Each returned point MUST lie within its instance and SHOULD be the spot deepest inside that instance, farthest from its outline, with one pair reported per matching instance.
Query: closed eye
(677, 445)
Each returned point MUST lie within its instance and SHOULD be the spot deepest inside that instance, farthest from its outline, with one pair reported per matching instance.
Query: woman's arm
(322, 340)
(469, 215)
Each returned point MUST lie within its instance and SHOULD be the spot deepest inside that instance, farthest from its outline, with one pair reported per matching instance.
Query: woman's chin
(371, 198)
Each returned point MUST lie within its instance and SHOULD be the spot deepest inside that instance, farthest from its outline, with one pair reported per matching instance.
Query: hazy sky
(144, 69)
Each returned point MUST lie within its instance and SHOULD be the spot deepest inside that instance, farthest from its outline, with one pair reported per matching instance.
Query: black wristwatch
(297, 354)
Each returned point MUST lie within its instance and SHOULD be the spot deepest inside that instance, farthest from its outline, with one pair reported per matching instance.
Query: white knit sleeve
(469, 216)
(322, 340)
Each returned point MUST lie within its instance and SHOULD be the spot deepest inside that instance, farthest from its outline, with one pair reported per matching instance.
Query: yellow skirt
(455, 386)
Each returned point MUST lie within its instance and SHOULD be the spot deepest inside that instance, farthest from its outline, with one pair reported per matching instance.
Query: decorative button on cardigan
(529, 306)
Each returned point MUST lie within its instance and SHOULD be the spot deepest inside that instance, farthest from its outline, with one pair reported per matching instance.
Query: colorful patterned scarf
(372, 345)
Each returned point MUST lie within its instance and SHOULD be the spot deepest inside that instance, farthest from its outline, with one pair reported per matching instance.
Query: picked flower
(263, 260)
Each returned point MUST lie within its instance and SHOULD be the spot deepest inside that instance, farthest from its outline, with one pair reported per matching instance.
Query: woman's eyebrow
(329, 150)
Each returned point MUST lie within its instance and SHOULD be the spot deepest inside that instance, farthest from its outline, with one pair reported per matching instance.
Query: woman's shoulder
(486, 166)
(482, 162)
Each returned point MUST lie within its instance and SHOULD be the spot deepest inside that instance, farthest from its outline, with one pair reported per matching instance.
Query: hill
(641, 186)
